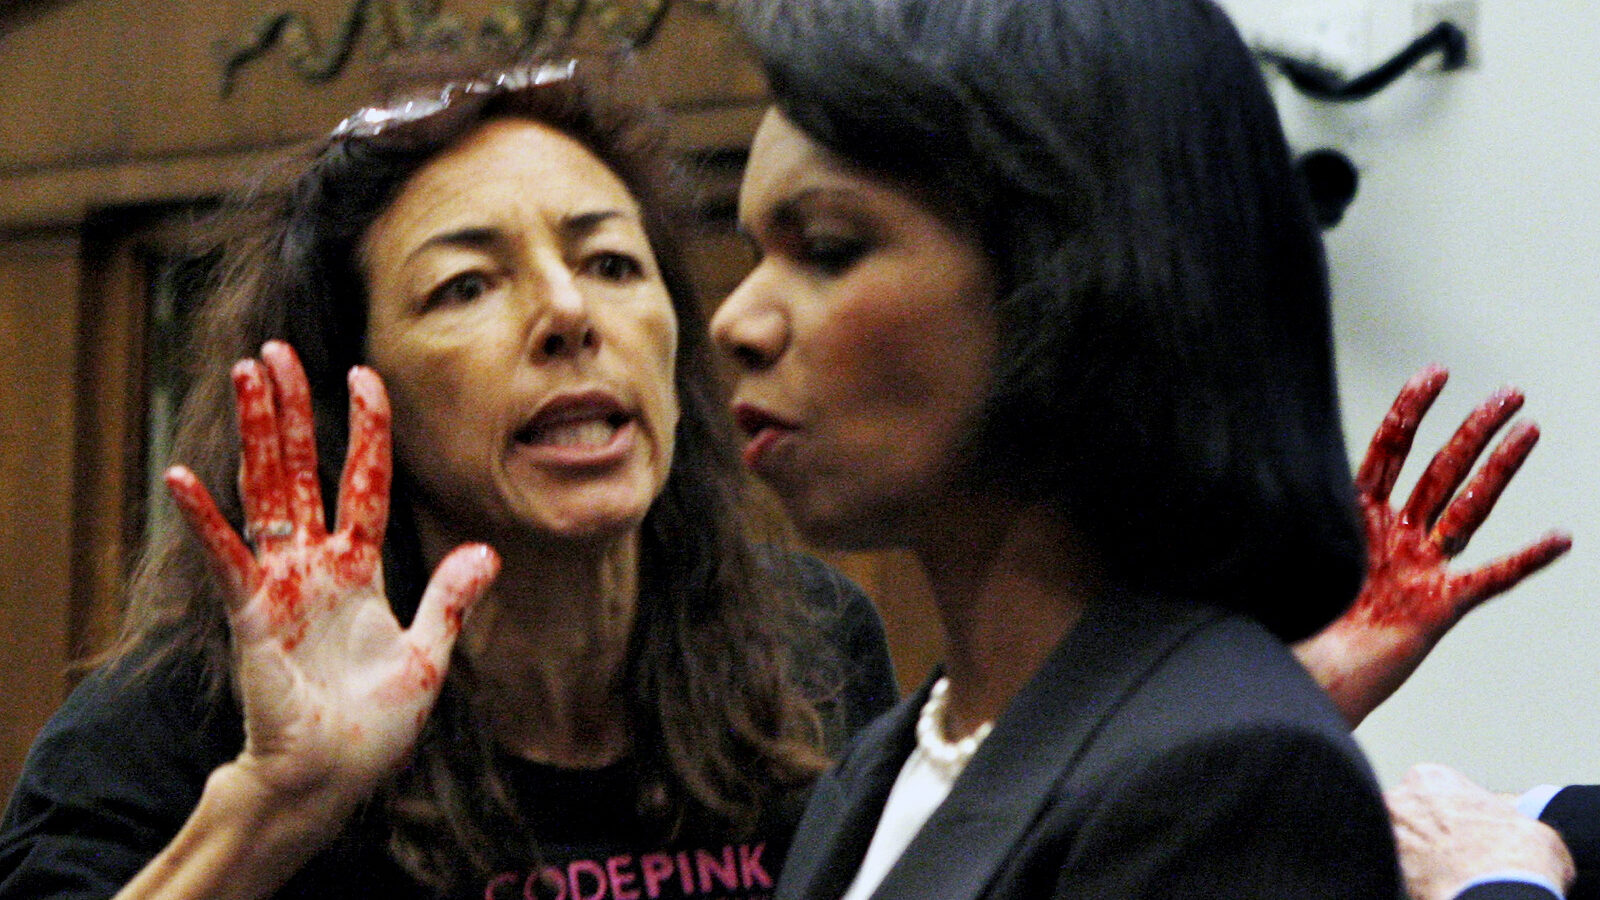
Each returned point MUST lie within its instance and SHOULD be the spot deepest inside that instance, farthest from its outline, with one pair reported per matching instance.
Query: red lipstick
(766, 431)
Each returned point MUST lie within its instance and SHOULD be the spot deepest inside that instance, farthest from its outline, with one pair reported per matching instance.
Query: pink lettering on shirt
(657, 868)
(724, 868)
(576, 870)
(751, 872)
(621, 878)
(730, 872)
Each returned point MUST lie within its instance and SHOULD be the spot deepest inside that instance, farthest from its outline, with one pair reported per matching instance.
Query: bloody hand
(1410, 599)
(334, 691)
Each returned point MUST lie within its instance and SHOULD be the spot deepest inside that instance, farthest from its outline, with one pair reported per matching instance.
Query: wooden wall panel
(894, 581)
(38, 341)
(96, 82)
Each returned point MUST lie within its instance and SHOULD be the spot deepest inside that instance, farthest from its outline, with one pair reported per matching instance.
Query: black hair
(1165, 368)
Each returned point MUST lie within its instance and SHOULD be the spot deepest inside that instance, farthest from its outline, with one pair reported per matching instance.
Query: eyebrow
(789, 212)
(479, 237)
(474, 237)
(588, 223)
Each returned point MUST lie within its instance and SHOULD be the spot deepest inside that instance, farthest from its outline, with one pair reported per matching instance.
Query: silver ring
(279, 528)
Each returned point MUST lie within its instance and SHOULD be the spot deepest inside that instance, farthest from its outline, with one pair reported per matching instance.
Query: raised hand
(1410, 598)
(334, 691)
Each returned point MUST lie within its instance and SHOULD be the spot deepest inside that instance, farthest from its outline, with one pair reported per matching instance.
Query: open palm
(1410, 599)
(334, 691)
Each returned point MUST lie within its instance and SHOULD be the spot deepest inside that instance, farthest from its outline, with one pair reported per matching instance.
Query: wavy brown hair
(722, 723)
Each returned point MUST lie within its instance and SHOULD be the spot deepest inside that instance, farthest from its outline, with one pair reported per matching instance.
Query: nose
(561, 324)
(750, 326)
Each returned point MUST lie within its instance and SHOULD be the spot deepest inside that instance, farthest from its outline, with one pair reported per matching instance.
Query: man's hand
(1451, 831)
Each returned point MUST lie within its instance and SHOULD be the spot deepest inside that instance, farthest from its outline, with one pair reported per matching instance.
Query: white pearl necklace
(950, 755)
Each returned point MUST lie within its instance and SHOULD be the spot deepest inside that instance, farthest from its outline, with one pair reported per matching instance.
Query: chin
(580, 511)
(596, 520)
(592, 524)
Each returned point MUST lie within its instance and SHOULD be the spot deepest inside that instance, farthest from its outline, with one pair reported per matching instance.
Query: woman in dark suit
(1039, 298)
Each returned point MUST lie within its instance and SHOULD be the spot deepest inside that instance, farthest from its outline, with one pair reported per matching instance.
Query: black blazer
(1163, 750)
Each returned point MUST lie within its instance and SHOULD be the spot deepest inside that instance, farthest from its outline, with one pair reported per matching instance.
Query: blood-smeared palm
(334, 690)
(1411, 598)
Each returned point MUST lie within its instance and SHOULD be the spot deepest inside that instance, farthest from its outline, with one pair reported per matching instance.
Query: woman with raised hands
(603, 684)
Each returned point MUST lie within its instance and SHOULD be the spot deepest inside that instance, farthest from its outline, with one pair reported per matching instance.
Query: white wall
(1472, 242)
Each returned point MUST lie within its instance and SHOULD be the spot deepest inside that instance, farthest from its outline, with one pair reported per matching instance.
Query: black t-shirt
(119, 768)
(593, 844)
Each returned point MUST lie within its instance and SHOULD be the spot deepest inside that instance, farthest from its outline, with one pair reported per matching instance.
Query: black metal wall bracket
(1322, 83)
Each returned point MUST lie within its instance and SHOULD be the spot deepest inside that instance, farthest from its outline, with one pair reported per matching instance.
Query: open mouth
(586, 429)
(573, 428)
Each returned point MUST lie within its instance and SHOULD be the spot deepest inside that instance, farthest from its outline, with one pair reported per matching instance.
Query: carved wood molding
(408, 26)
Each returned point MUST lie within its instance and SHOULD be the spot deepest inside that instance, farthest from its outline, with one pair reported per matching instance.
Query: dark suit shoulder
(1226, 675)
(1262, 810)
(1222, 770)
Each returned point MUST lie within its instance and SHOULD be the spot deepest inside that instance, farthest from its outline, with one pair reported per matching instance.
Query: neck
(549, 643)
(1009, 584)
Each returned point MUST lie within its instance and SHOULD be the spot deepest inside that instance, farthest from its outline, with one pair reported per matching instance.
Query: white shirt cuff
(1514, 875)
(1533, 802)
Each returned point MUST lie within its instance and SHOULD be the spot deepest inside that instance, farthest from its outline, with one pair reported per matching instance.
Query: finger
(232, 560)
(292, 399)
(1386, 455)
(1470, 507)
(1497, 577)
(368, 468)
(261, 482)
(459, 581)
(1454, 460)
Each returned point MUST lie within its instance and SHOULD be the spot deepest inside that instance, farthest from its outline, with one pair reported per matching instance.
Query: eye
(458, 291)
(613, 266)
(832, 255)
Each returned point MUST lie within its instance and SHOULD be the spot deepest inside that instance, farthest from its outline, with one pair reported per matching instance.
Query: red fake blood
(367, 485)
(1449, 467)
(227, 551)
(265, 492)
(286, 598)
(1392, 442)
(418, 677)
(293, 639)
(354, 565)
(425, 673)
(1472, 507)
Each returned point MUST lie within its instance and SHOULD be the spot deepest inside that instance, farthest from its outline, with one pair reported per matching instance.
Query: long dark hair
(1165, 368)
(721, 724)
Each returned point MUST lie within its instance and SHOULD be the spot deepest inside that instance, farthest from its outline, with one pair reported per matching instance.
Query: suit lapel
(846, 804)
(1038, 739)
